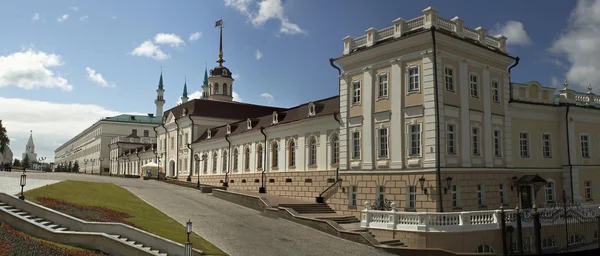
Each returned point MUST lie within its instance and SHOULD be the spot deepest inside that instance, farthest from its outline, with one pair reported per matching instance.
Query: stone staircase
(383, 242)
(39, 221)
(321, 211)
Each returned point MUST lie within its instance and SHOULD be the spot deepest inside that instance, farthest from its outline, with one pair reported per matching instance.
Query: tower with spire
(184, 96)
(220, 81)
(205, 90)
(30, 148)
(160, 100)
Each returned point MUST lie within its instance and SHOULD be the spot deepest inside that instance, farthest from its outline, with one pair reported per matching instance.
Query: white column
(323, 154)
(344, 157)
(397, 115)
(464, 115)
(367, 105)
(282, 161)
(429, 155)
(487, 118)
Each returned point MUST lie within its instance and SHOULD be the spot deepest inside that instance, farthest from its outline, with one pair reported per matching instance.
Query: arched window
(274, 155)
(485, 248)
(247, 159)
(224, 161)
(235, 159)
(335, 149)
(225, 89)
(216, 89)
(215, 156)
(312, 151)
(205, 164)
(575, 239)
(292, 153)
(259, 157)
(548, 242)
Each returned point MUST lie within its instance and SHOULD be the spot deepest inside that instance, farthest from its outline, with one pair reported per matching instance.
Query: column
(508, 136)
(487, 119)
(344, 88)
(367, 107)
(397, 126)
(464, 114)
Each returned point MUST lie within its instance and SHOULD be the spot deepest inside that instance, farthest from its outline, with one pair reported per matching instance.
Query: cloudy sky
(65, 64)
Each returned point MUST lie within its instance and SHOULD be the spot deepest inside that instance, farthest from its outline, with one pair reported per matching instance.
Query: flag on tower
(219, 23)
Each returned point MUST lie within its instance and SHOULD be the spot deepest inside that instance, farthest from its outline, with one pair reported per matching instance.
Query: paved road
(236, 230)
(11, 184)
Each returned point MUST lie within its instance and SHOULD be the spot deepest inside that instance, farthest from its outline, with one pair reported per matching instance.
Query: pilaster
(344, 157)
(464, 114)
(487, 119)
(397, 125)
(508, 137)
(429, 155)
(367, 103)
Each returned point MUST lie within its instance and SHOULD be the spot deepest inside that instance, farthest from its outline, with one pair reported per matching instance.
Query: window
(502, 194)
(235, 159)
(380, 193)
(335, 149)
(146, 133)
(247, 159)
(497, 143)
(172, 143)
(259, 157)
(413, 79)
(546, 145)
(480, 201)
(451, 139)
(352, 195)
(524, 144)
(484, 248)
(224, 87)
(274, 155)
(356, 92)
(415, 139)
(185, 138)
(311, 109)
(495, 91)
(585, 146)
(224, 72)
(214, 167)
(292, 153)
(587, 186)
(575, 239)
(134, 132)
(185, 166)
(205, 164)
(474, 86)
(355, 145)
(449, 79)
(548, 242)
(216, 88)
(383, 85)
(225, 160)
(549, 192)
(455, 199)
(412, 197)
(383, 142)
(312, 152)
(475, 141)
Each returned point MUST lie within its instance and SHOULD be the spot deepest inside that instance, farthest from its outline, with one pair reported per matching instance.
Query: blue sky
(88, 39)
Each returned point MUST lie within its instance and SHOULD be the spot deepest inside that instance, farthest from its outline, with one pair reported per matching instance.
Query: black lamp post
(100, 167)
(85, 166)
(93, 160)
(188, 244)
(23, 183)
(422, 183)
(158, 168)
(448, 184)
(514, 180)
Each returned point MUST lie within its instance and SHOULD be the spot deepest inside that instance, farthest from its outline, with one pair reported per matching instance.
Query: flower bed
(13, 242)
(84, 212)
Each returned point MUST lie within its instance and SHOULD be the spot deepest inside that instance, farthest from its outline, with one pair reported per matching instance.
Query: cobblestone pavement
(10, 184)
(235, 229)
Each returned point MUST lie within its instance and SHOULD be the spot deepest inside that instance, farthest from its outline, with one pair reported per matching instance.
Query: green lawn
(114, 197)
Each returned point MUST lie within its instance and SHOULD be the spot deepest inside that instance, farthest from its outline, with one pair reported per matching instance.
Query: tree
(76, 167)
(26, 162)
(4, 140)
(17, 162)
(70, 167)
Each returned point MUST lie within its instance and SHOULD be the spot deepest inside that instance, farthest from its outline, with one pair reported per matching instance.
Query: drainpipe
(156, 150)
(226, 181)
(569, 152)
(189, 178)
(437, 124)
(176, 150)
(166, 150)
(510, 92)
(262, 188)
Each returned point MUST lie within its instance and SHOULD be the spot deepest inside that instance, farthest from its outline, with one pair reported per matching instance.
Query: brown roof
(323, 107)
(221, 109)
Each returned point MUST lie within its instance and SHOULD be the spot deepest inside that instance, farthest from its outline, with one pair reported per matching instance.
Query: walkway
(236, 230)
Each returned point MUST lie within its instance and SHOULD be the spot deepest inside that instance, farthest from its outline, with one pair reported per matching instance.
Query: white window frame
(474, 86)
(356, 92)
(451, 147)
(475, 141)
(550, 191)
(585, 145)
(409, 140)
(449, 81)
(495, 91)
(312, 151)
(382, 86)
(546, 149)
(335, 149)
(480, 195)
(381, 140)
(502, 193)
(588, 190)
(497, 134)
(524, 145)
(356, 145)
(415, 86)
(455, 196)
(411, 197)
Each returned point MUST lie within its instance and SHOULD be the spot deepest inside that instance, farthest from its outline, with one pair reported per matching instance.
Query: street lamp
(422, 183)
(23, 182)
(159, 156)
(448, 184)
(188, 244)
(93, 160)
(85, 165)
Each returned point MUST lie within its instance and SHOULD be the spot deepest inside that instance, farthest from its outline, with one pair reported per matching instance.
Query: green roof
(134, 119)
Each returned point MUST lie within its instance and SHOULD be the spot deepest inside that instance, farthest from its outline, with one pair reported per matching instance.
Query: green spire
(185, 88)
(205, 76)
(160, 82)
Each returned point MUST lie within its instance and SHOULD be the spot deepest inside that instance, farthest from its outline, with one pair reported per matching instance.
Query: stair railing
(320, 199)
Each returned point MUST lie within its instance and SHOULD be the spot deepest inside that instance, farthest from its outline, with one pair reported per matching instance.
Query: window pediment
(311, 109)
(275, 117)
(208, 134)
(248, 124)
(228, 129)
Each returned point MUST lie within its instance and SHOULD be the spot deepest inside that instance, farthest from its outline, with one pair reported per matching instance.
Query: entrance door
(525, 196)
(172, 168)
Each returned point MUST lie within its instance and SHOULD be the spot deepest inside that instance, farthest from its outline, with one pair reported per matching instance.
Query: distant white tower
(160, 100)
(30, 149)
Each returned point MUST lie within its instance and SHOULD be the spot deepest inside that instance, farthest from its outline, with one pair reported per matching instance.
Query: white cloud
(63, 18)
(170, 39)
(97, 78)
(84, 17)
(30, 69)
(579, 44)
(114, 17)
(149, 49)
(75, 8)
(52, 123)
(268, 97)
(267, 10)
(195, 36)
(515, 33)
(236, 97)
(36, 16)
(258, 55)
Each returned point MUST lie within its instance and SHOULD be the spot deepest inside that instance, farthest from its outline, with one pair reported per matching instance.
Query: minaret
(160, 100)
(184, 96)
(220, 82)
(205, 91)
